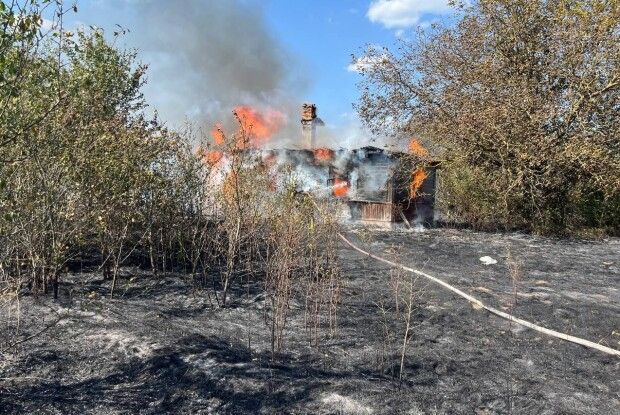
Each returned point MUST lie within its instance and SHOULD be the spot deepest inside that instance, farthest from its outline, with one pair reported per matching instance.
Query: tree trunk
(55, 286)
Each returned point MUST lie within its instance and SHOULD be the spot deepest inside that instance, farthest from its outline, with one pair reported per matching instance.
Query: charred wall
(374, 183)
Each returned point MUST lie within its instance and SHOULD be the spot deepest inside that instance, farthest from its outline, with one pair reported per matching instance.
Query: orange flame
(417, 179)
(340, 187)
(416, 148)
(323, 154)
(217, 133)
(212, 157)
(258, 127)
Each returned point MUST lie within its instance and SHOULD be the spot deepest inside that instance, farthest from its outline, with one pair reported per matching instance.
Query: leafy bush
(523, 95)
(87, 176)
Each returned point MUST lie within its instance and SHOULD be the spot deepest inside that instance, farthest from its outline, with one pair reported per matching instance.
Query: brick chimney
(309, 122)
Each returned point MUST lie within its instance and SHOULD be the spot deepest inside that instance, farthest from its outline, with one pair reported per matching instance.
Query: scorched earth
(162, 346)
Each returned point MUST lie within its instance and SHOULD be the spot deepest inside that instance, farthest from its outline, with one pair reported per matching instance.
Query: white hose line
(492, 310)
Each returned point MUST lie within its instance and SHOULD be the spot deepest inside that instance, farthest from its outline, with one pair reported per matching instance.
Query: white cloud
(46, 24)
(395, 14)
(364, 62)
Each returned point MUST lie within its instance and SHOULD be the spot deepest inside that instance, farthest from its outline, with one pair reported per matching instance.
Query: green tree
(82, 174)
(525, 96)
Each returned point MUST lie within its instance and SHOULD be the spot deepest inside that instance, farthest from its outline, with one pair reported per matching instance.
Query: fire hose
(480, 305)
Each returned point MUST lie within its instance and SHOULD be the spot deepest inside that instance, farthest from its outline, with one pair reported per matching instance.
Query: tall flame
(417, 179)
(217, 133)
(256, 126)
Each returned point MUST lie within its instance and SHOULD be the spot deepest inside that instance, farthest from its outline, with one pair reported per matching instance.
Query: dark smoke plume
(209, 56)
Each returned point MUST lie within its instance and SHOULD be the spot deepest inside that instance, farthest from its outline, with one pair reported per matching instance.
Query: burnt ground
(162, 347)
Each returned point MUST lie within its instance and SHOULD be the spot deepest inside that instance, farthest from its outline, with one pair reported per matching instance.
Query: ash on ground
(162, 346)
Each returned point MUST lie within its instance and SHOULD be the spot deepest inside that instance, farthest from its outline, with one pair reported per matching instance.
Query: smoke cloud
(209, 56)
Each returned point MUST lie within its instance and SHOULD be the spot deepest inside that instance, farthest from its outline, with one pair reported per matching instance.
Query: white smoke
(365, 179)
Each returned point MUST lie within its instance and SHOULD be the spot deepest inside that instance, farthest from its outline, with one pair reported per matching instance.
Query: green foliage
(525, 94)
(80, 164)
(463, 197)
(86, 176)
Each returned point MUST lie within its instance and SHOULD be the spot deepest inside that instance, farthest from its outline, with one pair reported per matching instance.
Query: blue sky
(326, 34)
(313, 43)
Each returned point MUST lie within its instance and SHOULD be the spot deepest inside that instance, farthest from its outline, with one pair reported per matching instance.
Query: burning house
(386, 192)
(376, 185)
